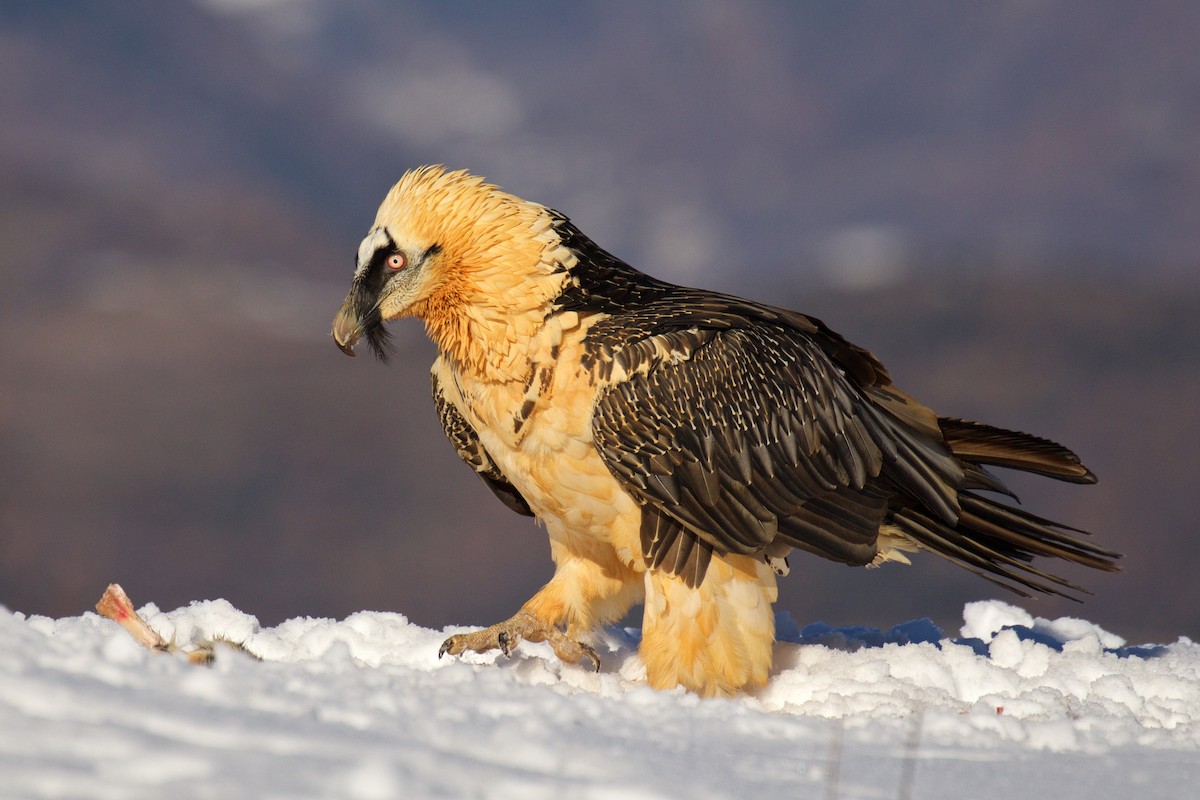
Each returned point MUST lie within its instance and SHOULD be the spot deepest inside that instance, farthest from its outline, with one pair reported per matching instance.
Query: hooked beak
(347, 327)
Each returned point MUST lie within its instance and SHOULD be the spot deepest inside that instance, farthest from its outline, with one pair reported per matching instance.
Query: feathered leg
(715, 639)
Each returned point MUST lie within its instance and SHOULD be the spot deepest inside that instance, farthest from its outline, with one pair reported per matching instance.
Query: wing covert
(743, 440)
(471, 450)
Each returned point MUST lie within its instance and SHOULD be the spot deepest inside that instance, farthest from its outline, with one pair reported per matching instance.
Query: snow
(362, 708)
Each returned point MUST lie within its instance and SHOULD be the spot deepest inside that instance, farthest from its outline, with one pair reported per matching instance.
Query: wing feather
(756, 435)
(466, 443)
(716, 409)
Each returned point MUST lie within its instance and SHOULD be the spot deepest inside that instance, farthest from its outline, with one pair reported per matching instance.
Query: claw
(590, 654)
(506, 643)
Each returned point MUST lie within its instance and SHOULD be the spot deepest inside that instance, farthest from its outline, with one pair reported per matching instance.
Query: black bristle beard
(379, 339)
(366, 309)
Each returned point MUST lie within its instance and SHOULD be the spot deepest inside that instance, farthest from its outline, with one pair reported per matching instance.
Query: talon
(590, 653)
(506, 643)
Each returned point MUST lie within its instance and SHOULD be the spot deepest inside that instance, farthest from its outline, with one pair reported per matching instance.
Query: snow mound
(363, 708)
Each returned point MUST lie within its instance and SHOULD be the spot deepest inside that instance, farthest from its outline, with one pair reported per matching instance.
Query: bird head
(450, 249)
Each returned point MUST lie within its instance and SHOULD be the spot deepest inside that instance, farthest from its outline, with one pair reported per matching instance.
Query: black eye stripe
(378, 273)
(382, 252)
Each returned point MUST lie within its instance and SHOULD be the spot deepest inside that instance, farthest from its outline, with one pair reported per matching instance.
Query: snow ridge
(363, 708)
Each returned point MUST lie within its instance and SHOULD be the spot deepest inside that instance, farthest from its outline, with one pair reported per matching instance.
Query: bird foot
(117, 606)
(505, 636)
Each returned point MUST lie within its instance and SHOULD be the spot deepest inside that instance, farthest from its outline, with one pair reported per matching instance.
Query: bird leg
(117, 606)
(505, 636)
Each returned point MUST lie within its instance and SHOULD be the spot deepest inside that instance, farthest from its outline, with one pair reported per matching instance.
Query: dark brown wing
(470, 449)
(745, 428)
(737, 439)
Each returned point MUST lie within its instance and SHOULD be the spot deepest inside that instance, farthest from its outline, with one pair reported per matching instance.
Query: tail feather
(1032, 534)
(991, 538)
(1004, 560)
(984, 444)
(999, 542)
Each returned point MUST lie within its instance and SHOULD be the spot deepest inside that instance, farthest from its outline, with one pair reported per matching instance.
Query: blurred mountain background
(1001, 200)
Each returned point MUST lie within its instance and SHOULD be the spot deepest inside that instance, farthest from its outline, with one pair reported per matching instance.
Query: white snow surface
(362, 708)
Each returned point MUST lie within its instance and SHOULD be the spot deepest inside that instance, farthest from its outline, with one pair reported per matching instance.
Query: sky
(999, 200)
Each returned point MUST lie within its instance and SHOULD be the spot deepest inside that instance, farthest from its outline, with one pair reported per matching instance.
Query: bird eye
(395, 261)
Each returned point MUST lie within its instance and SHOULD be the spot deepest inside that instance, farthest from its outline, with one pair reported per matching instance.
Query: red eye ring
(396, 261)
